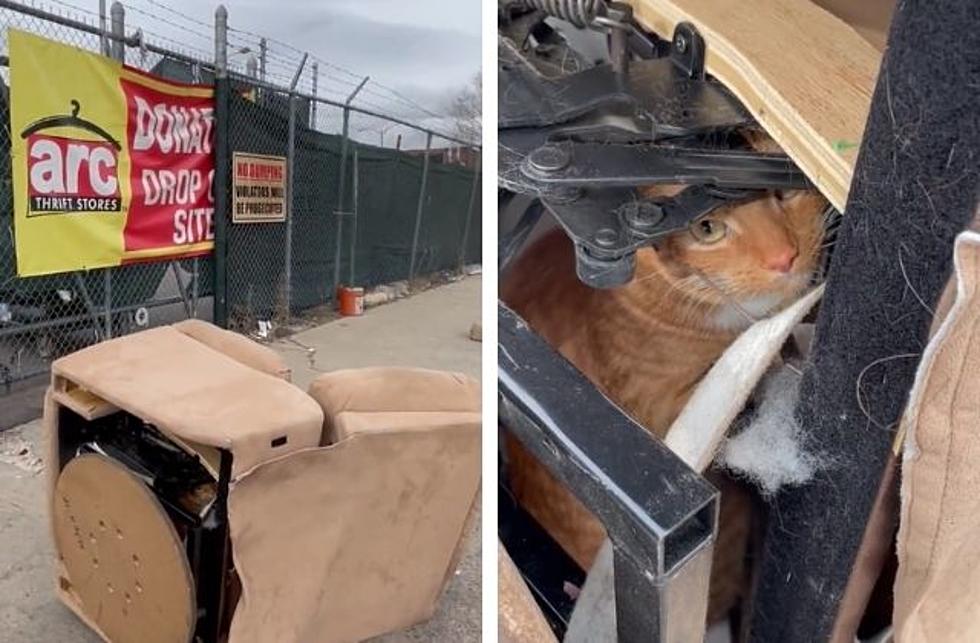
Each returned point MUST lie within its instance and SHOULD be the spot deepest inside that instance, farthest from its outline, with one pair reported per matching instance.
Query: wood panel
(805, 74)
(122, 557)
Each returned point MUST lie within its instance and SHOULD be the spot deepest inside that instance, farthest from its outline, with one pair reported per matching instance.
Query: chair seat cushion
(238, 347)
(346, 424)
(387, 397)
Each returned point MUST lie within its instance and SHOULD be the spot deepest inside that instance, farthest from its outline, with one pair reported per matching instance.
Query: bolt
(549, 158)
(642, 216)
(680, 43)
(606, 237)
(562, 195)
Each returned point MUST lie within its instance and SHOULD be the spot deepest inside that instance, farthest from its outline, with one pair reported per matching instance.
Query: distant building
(455, 155)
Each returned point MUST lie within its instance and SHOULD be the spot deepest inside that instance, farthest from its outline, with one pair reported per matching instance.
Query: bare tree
(466, 110)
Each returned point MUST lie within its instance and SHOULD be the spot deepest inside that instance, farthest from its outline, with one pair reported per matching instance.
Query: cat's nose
(781, 261)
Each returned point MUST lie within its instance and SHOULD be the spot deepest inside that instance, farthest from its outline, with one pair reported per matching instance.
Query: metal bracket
(687, 50)
(583, 142)
(656, 91)
(618, 165)
(609, 226)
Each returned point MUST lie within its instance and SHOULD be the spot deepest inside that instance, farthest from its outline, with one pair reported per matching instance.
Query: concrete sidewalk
(429, 330)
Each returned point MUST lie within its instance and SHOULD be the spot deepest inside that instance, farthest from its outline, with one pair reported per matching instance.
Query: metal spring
(581, 13)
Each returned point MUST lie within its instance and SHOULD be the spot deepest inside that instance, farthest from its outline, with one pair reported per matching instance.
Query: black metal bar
(610, 165)
(658, 513)
(511, 242)
(543, 564)
(209, 550)
(222, 188)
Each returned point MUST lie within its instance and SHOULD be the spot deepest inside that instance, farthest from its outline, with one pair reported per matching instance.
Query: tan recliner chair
(338, 514)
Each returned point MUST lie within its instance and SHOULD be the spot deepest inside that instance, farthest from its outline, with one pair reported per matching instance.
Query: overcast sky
(425, 49)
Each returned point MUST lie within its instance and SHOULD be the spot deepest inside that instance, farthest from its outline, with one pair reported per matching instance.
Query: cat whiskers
(732, 301)
(690, 287)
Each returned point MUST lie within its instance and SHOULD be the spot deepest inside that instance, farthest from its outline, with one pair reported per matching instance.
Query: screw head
(642, 216)
(680, 43)
(606, 237)
(549, 158)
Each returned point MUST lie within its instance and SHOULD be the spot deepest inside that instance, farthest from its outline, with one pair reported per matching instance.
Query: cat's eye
(708, 230)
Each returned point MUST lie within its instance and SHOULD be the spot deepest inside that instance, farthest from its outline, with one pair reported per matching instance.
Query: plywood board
(804, 73)
(121, 556)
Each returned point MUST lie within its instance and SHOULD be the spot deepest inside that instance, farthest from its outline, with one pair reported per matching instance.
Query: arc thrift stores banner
(110, 165)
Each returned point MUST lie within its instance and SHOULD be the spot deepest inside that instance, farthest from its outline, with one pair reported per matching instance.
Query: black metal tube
(660, 515)
(222, 154)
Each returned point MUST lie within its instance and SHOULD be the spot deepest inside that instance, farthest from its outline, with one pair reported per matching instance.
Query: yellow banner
(110, 165)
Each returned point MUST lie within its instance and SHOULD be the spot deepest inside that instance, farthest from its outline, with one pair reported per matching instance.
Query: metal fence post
(290, 170)
(341, 188)
(103, 37)
(353, 230)
(263, 56)
(107, 301)
(195, 291)
(221, 149)
(117, 50)
(316, 73)
(421, 205)
(342, 185)
(469, 212)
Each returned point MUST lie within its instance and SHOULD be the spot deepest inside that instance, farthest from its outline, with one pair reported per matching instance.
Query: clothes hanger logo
(68, 175)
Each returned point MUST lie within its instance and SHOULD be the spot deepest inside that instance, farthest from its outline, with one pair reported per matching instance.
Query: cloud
(423, 46)
(426, 50)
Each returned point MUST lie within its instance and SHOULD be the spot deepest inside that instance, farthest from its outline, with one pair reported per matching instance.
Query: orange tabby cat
(647, 344)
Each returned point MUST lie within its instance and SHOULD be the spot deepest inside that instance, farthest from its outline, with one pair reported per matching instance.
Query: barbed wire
(40, 5)
(288, 63)
(354, 77)
(333, 81)
(149, 14)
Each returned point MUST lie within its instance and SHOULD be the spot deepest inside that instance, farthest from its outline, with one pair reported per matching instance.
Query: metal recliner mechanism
(582, 142)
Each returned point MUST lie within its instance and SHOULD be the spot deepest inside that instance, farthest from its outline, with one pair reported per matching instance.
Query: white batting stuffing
(768, 451)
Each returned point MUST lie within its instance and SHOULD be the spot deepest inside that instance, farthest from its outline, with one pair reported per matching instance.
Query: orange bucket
(351, 301)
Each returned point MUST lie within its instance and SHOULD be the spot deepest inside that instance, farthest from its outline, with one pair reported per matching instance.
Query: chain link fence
(360, 213)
